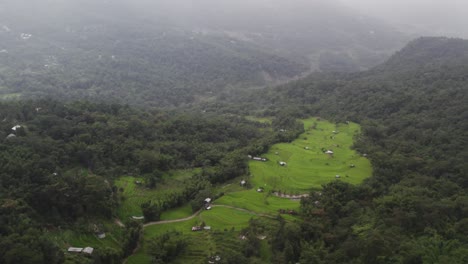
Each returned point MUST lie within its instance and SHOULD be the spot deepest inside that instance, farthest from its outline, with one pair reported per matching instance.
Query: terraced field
(307, 166)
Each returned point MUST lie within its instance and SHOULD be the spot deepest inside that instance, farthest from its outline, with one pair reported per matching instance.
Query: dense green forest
(59, 162)
(93, 49)
(59, 157)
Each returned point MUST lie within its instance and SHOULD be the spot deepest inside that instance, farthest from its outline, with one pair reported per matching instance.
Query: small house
(260, 189)
(352, 166)
(243, 183)
(101, 235)
(306, 148)
(208, 200)
(337, 176)
(15, 127)
(208, 208)
(282, 163)
(329, 152)
(11, 136)
(207, 227)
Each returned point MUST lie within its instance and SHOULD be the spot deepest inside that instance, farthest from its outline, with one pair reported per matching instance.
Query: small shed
(15, 127)
(208, 200)
(11, 136)
(207, 227)
(208, 208)
(101, 235)
(337, 176)
(88, 250)
(75, 249)
(282, 163)
(243, 182)
(329, 152)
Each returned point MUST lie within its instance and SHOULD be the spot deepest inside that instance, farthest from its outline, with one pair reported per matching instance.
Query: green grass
(177, 213)
(312, 168)
(257, 202)
(74, 238)
(134, 195)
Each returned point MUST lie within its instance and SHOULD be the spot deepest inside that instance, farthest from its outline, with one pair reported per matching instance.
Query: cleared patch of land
(307, 166)
(134, 192)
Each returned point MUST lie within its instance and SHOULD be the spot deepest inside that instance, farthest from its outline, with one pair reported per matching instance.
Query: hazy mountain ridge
(169, 54)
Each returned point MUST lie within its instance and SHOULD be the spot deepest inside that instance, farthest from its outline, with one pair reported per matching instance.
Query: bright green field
(258, 202)
(312, 168)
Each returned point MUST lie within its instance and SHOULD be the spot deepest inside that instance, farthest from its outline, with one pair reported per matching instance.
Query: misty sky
(430, 16)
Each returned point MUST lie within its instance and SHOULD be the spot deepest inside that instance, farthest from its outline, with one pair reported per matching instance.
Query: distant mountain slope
(429, 52)
(172, 53)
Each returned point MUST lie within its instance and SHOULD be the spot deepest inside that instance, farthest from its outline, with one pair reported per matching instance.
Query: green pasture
(263, 203)
(307, 166)
(177, 213)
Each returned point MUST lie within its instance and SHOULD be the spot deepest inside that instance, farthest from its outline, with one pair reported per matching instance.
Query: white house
(282, 163)
(208, 200)
(329, 152)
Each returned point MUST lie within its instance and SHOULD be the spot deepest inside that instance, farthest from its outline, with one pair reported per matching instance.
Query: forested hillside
(58, 164)
(414, 112)
(166, 54)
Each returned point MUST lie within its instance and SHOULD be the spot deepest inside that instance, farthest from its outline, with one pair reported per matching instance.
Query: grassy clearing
(69, 238)
(307, 166)
(133, 194)
(257, 202)
(177, 213)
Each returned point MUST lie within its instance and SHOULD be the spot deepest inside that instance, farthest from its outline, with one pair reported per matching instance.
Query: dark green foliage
(165, 248)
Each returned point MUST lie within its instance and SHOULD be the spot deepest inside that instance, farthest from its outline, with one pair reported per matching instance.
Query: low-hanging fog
(421, 17)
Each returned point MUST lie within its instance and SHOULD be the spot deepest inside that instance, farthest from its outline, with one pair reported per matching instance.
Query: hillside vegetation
(413, 111)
